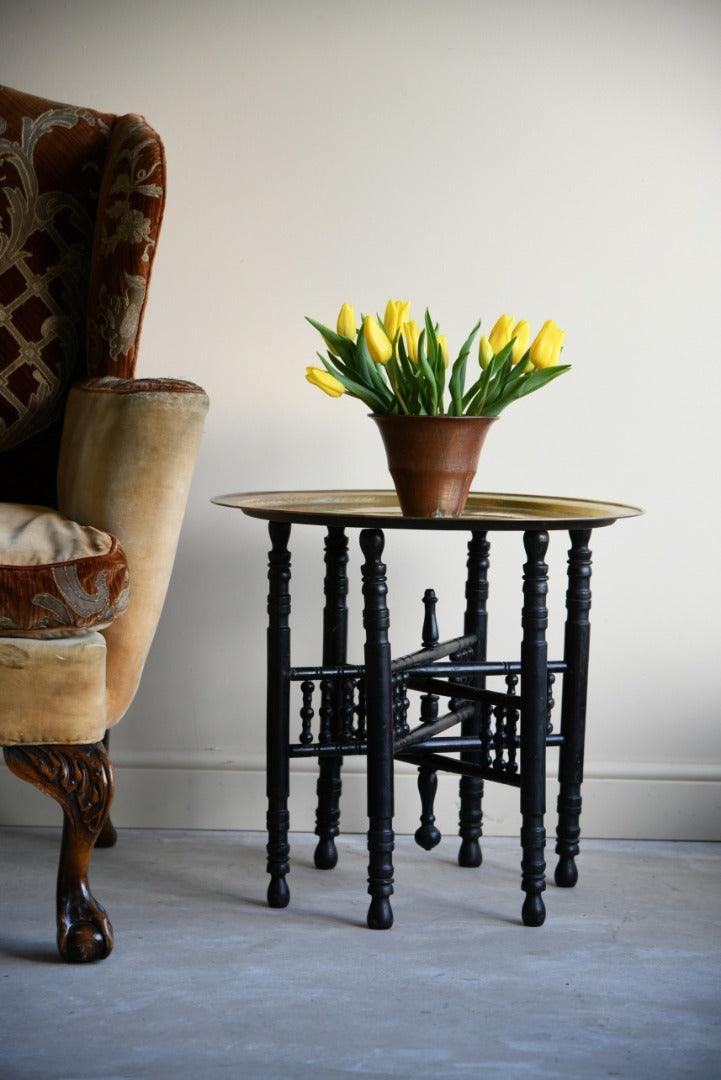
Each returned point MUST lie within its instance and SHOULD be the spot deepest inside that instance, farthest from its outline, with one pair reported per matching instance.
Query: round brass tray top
(380, 510)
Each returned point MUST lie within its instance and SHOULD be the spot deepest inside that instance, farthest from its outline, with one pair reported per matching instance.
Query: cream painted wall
(558, 158)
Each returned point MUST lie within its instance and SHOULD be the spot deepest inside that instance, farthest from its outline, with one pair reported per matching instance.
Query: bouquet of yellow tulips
(394, 366)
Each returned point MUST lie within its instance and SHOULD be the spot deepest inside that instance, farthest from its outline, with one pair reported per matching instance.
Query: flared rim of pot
(415, 416)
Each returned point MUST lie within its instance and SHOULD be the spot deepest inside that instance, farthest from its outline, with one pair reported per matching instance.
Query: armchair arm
(126, 462)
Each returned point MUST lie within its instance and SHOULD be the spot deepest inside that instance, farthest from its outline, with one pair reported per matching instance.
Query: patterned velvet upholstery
(82, 195)
(95, 465)
(132, 201)
(57, 577)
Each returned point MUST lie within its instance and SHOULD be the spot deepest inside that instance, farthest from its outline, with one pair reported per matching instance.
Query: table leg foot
(380, 914)
(380, 874)
(329, 788)
(566, 874)
(533, 871)
(568, 833)
(533, 912)
(278, 864)
(325, 855)
(470, 854)
(278, 893)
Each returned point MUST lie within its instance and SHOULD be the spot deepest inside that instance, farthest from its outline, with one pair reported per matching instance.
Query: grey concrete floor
(623, 980)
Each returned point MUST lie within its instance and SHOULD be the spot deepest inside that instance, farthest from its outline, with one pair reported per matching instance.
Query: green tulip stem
(395, 381)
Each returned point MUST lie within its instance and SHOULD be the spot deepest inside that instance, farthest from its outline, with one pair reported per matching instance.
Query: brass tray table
(363, 709)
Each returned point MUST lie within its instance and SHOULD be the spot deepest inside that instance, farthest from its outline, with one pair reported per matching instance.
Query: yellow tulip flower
(325, 381)
(396, 316)
(379, 345)
(444, 348)
(522, 334)
(546, 349)
(501, 333)
(412, 332)
(346, 322)
(485, 352)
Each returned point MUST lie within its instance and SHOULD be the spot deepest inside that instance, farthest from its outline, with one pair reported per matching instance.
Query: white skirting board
(213, 790)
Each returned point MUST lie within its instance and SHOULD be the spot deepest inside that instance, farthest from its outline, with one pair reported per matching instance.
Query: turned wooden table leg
(80, 778)
(534, 710)
(476, 622)
(335, 637)
(379, 713)
(278, 720)
(427, 835)
(573, 707)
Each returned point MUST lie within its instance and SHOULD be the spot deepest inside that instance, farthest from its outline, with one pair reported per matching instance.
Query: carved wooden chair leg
(80, 778)
(108, 834)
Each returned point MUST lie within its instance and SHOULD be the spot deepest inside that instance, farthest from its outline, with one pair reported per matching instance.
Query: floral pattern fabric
(130, 212)
(81, 202)
(57, 577)
(51, 159)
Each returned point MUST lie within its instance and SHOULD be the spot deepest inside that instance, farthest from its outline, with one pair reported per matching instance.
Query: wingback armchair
(95, 464)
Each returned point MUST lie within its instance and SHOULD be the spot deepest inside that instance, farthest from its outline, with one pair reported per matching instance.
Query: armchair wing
(126, 462)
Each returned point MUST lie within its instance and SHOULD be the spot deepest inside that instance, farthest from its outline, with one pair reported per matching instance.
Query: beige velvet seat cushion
(57, 577)
(53, 691)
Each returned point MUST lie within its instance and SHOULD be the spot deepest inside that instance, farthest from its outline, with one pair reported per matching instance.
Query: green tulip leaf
(337, 343)
(458, 374)
(370, 373)
(541, 377)
(436, 361)
(533, 381)
(429, 382)
(374, 402)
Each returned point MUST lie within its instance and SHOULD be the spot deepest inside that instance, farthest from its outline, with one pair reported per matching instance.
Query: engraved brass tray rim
(372, 508)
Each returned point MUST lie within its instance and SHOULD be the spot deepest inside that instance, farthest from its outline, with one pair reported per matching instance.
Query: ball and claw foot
(533, 912)
(566, 874)
(278, 893)
(325, 856)
(380, 914)
(470, 853)
(84, 930)
(85, 942)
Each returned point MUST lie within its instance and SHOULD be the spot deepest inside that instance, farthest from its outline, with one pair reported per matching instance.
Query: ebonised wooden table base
(501, 736)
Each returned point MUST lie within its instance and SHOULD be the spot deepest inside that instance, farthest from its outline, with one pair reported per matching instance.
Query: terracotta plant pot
(433, 460)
